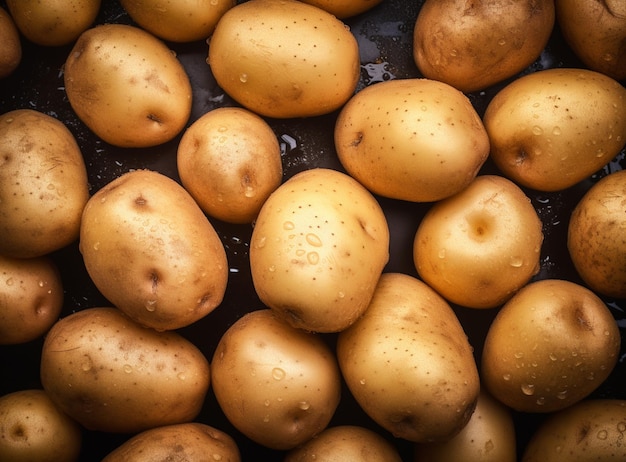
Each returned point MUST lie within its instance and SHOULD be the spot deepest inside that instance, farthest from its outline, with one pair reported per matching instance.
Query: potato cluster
(223, 235)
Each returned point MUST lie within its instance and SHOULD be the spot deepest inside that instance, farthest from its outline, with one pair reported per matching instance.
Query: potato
(589, 430)
(549, 347)
(408, 362)
(43, 184)
(229, 161)
(344, 8)
(596, 31)
(553, 128)
(185, 442)
(478, 247)
(595, 238)
(127, 86)
(317, 249)
(277, 385)
(113, 375)
(345, 443)
(488, 436)
(412, 139)
(178, 21)
(11, 51)
(474, 45)
(284, 58)
(32, 428)
(31, 298)
(151, 251)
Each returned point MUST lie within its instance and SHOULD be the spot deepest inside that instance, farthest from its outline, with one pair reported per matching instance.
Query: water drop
(516, 262)
(243, 78)
(537, 130)
(506, 377)
(222, 128)
(528, 389)
(556, 131)
(267, 403)
(249, 191)
(553, 357)
(181, 376)
(313, 258)
(41, 283)
(288, 225)
(128, 368)
(519, 355)
(502, 42)
(260, 243)
(271, 268)
(541, 401)
(86, 365)
(215, 456)
(602, 434)
(558, 449)
(304, 405)
(278, 373)
(362, 381)
(442, 253)
(562, 394)
(150, 305)
(341, 294)
(314, 240)
(96, 246)
(10, 281)
(607, 57)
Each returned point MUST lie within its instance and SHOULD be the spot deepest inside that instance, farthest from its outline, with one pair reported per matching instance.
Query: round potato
(127, 86)
(551, 129)
(344, 8)
(11, 51)
(284, 58)
(32, 428)
(53, 22)
(113, 375)
(190, 442)
(152, 252)
(411, 139)
(317, 249)
(478, 247)
(595, 239)
(43, 184)
(229, 161)
(278, 385)
(31, 298)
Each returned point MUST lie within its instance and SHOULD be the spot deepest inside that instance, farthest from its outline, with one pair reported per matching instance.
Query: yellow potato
(317, 250)
(344, 8)
(11, 50)
(478, 247)
(127, 86)
(595, 238)
(111, 374)
(412, 139)
(152, 252)
(284, 58)
(549, 347)
(473, 45)
(229, 161)
(277, 385)
(43, 184)
(53, 22)
(553, 128)
(31, 298)
(408, 362)
(32, 428)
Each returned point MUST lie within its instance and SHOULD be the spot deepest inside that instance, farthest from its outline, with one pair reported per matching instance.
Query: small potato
(551, 129)
(549, 347)
(127, 86)
(188, 442)
(277, 385)
(32, 428)
(408, 362)
(53, 22)
(411, 139)
(112, 375)
(31, 298)
(229, 161)
(284, 58)
(587, 431)
(43, 184)
(595, 239)
(11, 50)
(344, 8)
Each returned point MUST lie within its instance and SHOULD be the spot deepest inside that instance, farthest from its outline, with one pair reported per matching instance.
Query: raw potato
(551, 129)
(412, 139)
(32, 428)
(549, 347)
(596, 31)
(478, 247)
(178, 20)
(344, 8)
(229, 161)
(31, 298)
(43, 184)
(185, 442)
(589, 430)
(474, 45)
(596, 241)
(152, 252)
(53, 22)
(111, 374)
(284, 58)
(347, 443)
(127, 86)
(11, 51)
(317, 249)
(408, 362)
(277, 385)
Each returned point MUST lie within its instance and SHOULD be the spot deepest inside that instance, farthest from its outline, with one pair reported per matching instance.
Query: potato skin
(11, 51)
(111, 374)
(344, 8)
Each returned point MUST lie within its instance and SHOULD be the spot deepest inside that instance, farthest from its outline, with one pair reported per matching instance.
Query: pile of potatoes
(395, 298)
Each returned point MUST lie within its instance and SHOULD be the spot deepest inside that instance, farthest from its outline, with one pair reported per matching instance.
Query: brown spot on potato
(582, 433)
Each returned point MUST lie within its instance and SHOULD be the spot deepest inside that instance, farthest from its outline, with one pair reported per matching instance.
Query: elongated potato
(11, 51)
